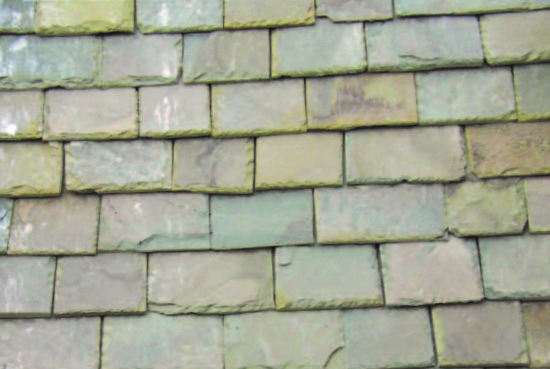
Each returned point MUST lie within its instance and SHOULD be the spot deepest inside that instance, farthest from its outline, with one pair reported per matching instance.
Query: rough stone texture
(379, 213)
(434, 154)
(537, 327)
(118, 166)
(256, 108)
(154, 222)
(174, 111)
(268, 13)
(388, 338)
(466, 96)
(90, 114)
(532, 91)
(277, 340)
(516, 267)
(161, 342)
(431, 272)
(214, 165)
(211, 282)
(21, 115)
(179, 15)
(272, 218)
(435, 7)
(226, 56)
(33, 169)
(423, 43)
(27, 286)
(17, 16)
(345, 102)
(62, 225)
(323, 49)
(140, 60)
(516, 37)
(537, 191)
(6, 211)
(307, 160)
(488, 333)
(327, 277)
(101, 284)
(499, 150)
(69, 17)
(355, 10)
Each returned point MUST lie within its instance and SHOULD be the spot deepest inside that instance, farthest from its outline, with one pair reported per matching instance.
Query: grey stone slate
(355, 10)
(21, 115)
(6, 212)
(268, 13)
(17, 16)
(532, 91)
(537, 326)
(434, 7)
(537, 191)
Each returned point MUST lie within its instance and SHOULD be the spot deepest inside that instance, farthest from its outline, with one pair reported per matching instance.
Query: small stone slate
(61, 225)
(211, 282)
(258, 108)
(34, 168)
(214, 165)
(154, 222)
(436, 7)
(6, 211)
(323, 49)
(226, 56)
(482, 334)
(27, 284)
(21, 115)
(174, 111)
(17, 16)
(118, 166)
(466, 96)
(537, 326)
(434, 154)
(388, 338)
(90, 114)
(431, 272)
(162, 342)
(268, 13)
(327, 277)
(355, 10)
(537, 191)
(273, 218)
(532, 91)
(361, 100)
(275, 340)
(379, 213)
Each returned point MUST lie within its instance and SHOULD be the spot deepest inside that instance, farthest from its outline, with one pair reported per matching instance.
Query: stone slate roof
(199, 184)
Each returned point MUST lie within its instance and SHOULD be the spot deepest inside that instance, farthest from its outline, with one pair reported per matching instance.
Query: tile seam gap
(98, 228)
(479, 260)
(254, 160)
(52, 305)
(274, 276)
(10, 229)
(172, 164)
(524, 330)
(222, 317)
(314, 218)
(146, 283)
(378, 250)
(432, 336)
(210, 222)
(344, 169)
(101, 324)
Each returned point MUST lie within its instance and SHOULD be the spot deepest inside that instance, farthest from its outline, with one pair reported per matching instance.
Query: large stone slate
(268, 13)
(532, 91)
(434, 7)
(323, 49)
(17, 16)
(21, 115)
(537, 326)
(154, 222)
(537, 191)
(210, 282)
(355, 10)
(6, 211)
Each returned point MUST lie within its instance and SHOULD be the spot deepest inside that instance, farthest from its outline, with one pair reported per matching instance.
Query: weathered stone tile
(154, 222)
(290, 161)
(21, 115)
(214, 165)
(423, 43)
(500, 150)
(532, 91)
(162, 342)
(268, 13)
(179, 15)
(388, 338)
(61, 225)
(17, 16)
(355, 10)
(33, 169)
(138, 60)
(431, 272)
(516, 37)
(63, 17)
(118, 166)
(487, 333)
(284, 340)
(27, 284)
(433, 7)
(210, 282)
(539, 4)
(258, 108)
(327, 277)
(226, 56)
(323, 49)
(6, 211)
(174, 111)
(379, 213)
(434, 154)
(466, 96)
(50, 343)
(361, 100)
(537, 325)
(537, 191)
(90, 114)
(272, 218)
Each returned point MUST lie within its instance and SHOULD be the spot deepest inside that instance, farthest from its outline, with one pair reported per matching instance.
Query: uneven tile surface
(268, 13)
(6, 213)
(21, 115)
(537, 326)
(354, 10)
(532, 90)
(537, 191)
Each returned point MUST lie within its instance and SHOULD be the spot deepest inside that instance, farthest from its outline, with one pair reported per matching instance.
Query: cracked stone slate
(6, 211)
(537, 326)
(154, 222)
(290, 340)
(355, 10)
(537, 191)
(532, 91)
(327, 277)
(437, 7)
(21, 115)
(162, 342)
(268, 13)
(323, 49)
(27, 284)
(17, 16)
(210, 282)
